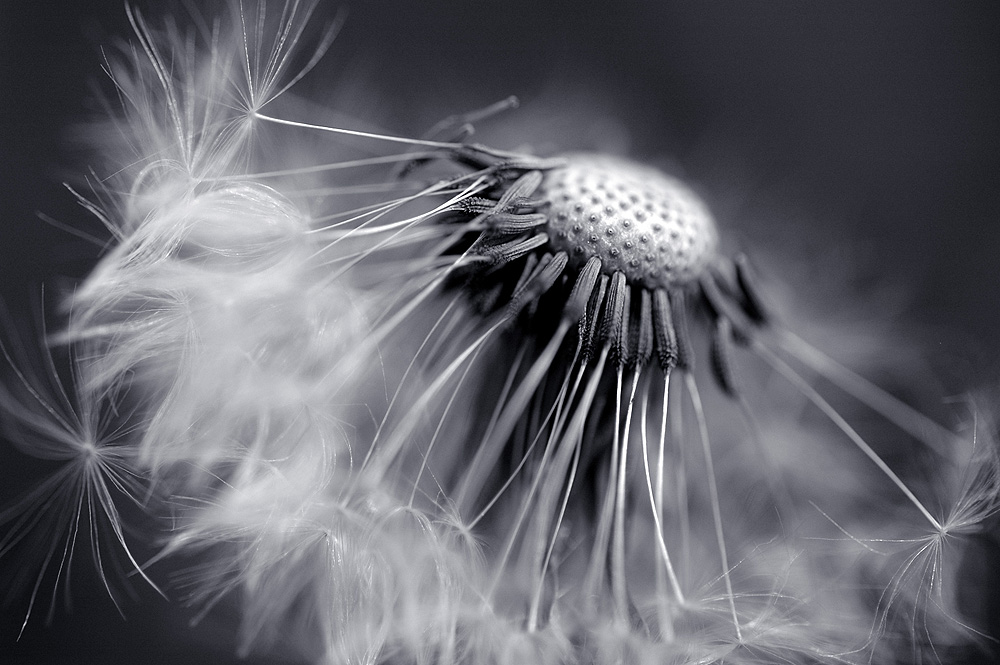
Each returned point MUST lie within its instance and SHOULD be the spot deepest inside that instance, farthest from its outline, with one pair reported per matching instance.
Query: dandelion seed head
(462, 418)
(636, 220)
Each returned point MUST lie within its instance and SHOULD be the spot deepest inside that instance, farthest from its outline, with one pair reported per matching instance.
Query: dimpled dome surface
(637, 220)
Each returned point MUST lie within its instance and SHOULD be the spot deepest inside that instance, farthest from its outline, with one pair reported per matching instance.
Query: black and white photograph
(379, 332)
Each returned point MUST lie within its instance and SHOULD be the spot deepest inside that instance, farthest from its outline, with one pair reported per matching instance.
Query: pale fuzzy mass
(360, 397)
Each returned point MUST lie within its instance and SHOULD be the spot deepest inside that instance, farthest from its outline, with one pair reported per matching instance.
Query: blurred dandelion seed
(394, 403)
(89, 438)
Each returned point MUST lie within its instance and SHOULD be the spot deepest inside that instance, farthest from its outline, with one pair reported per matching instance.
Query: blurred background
(872, 128)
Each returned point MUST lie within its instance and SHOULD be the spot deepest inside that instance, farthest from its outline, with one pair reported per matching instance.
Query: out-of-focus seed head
(635, 219)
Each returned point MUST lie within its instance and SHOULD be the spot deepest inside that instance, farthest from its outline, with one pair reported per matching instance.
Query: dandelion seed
(87, 434)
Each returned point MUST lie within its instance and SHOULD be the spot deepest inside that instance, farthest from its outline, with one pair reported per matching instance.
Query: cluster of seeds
(629, 251)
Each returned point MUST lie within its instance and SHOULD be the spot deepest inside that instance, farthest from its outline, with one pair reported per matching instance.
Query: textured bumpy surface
(638, 221)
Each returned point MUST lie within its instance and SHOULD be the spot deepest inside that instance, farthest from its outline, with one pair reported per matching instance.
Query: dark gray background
(873, 122)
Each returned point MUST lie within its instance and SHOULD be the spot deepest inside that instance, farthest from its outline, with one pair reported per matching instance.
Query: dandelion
(446, 403)
(627, 259)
